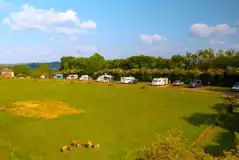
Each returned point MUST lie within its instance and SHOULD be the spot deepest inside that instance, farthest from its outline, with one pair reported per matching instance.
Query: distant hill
(53, 65)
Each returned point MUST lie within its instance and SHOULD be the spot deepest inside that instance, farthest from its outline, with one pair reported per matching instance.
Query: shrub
(173, 148)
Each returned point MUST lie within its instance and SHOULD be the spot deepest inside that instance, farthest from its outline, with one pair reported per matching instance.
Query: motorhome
(43, 77)
(159, 81)
(128, 80)
(72, 76)
(85, 78)
(105, 78)
(58, 76)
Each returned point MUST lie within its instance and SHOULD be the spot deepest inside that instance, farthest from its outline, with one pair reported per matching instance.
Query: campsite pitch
(121, 119)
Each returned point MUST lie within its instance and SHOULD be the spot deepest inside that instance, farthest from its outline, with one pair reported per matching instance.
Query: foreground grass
(121, 119)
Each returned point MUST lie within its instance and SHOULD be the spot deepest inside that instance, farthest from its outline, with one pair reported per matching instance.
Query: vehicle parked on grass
(128, 80)
(178, 83)
(85, 78)
(105, 78)
(43, 77)
(235, 87)
(72, 76)
(195, 83)
(159, 81)
(58, 76)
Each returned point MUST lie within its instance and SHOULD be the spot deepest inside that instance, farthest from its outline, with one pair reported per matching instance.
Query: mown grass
(121, 119)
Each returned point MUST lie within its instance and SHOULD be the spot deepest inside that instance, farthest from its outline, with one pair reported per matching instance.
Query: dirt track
(199, 90)
(202, 90)
(170, 87)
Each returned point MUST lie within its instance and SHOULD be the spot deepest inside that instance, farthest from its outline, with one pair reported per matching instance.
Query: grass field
(121, 119)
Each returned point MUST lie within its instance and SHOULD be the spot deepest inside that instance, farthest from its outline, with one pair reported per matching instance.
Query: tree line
(26, 71)
(215, 67)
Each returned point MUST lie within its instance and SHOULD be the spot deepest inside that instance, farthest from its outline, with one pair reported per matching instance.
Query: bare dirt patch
(47, 109)
(198, 90)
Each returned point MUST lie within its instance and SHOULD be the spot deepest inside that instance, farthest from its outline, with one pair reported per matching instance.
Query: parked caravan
(159, 81)
(128, 80)
(72, 76)
(85, 78)
(58, 76)
(105, 78)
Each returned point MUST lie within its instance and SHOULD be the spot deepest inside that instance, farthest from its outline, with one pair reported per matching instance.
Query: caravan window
(156, 80)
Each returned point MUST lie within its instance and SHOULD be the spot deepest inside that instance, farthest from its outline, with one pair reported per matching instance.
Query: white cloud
(149, 39)
(216, 41)
(70, 31)
(47, 20)
(88, 25)
(203, 30)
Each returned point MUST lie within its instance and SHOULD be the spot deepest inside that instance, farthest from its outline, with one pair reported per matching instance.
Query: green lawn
(119, 118)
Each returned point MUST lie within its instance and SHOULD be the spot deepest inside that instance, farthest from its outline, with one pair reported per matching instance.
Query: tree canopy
(220, 67)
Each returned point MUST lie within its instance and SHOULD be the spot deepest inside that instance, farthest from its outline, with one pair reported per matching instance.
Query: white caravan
(43, 77)
(72, 76)
(105, 78)
(127, 80)
(85, 78)
(159, 81)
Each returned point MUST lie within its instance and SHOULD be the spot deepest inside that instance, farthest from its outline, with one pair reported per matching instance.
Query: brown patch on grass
(2, 109)
(196, 90)
(47, 109)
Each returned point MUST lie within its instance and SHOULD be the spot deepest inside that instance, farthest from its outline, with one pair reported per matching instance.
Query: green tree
(36, 73)
(142, 61)
(96, 62)
(178, 61)
(66, 62)
(42, 70)
(22, 70)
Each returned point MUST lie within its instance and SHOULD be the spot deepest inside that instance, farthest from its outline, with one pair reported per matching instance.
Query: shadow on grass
(226, 139)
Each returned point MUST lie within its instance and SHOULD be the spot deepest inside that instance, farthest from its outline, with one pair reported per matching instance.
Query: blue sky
(43, 30)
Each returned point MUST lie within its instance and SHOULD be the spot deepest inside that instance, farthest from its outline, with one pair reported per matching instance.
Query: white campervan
(105, 78)
(72, 76)
(127, 80)
(159, 81)
(85, 78)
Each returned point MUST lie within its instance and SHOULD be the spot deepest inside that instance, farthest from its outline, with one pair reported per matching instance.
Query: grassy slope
(119, 118)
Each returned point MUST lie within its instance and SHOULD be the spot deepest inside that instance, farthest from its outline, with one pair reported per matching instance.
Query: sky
(46, 30)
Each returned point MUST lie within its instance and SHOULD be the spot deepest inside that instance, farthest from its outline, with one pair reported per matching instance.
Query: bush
(168, 148)
(173, 148)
